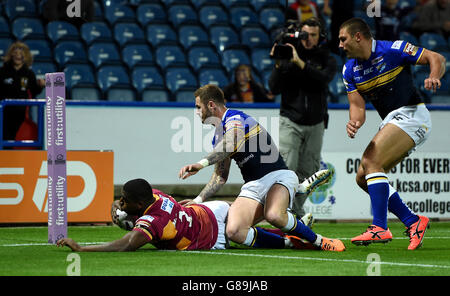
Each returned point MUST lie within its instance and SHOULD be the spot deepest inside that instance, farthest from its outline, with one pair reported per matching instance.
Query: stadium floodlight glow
(55, 93)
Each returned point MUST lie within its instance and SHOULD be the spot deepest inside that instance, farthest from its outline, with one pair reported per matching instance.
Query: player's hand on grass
(189, 170)
(69, 243)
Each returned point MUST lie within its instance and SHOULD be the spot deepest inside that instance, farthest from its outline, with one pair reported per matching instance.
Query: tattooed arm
(218, 179)
(223, 151)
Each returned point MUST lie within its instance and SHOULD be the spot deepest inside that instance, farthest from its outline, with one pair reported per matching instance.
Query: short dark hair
(210, 92)
(355, 25)
(138, 190)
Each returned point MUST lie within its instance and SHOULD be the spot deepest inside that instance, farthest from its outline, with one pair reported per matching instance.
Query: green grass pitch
(25, 252)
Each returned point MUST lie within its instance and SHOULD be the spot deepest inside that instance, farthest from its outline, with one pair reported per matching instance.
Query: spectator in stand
(434, 16)
(340, 11)
(245, 89)
(387, 26)
(301, 10)
(17, 81)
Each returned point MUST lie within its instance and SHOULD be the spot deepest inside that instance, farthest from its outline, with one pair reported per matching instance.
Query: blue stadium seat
(137, 54)
(261, 4)
(170, 55)
(192, 35)
(336, 87)
(161, 34)
(98, 12)
(202, 56)
(150, 13)
(231, 58)
(101, 53)
(242, 16)
(261, 60)
(20, 8)
(445, 85)
(223, 37)
(40, 68)
(339, 62)
(24, 28)
(4, 46)
(128, 33)
(147, 78)
(40, 49)
(409, 37)
(231, 3)
(199, 3)
(441, 100)
(271, 18)
(61, 30)
(79, 74)
(178, 78)
(121, 94)
(215, 76)
(95, 32)
(255, 37)
(446, 55)
(4, 28)
(155, 95)
(433, 41)
(85, 93)
(211, 15)
(119, 13)
(185, 95)
(70, 52)
(180, 14)
(112, 76)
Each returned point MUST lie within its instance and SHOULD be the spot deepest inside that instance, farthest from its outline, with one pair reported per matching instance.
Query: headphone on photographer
(315, 22)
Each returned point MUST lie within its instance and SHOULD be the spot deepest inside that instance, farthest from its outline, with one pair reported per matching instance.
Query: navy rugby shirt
(256, 155)
(385, 79)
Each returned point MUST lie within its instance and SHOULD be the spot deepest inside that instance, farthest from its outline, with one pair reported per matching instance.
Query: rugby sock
(399, 209)
(260, 238)
(378, 187)
(296, 227)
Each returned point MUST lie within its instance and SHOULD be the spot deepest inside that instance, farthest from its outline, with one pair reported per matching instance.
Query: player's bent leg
(243, 214)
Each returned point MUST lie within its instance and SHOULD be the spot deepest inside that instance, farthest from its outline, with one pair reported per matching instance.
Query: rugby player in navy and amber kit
(379, 72)
(269, 186)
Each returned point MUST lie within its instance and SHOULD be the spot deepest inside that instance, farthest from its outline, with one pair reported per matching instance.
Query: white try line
(318, 259)
(96, 243)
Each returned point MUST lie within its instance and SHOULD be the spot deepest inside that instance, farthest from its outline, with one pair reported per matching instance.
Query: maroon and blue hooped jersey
(385, 79)
(168, 225)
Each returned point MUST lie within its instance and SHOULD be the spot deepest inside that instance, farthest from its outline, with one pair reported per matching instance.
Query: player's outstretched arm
(131, 241)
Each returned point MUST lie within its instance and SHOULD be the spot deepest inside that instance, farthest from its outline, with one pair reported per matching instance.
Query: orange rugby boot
(300, 244)
(332, 244)
(373, 234)
(416, 232)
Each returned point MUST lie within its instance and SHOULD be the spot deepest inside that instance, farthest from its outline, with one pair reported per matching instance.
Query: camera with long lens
(292, 34)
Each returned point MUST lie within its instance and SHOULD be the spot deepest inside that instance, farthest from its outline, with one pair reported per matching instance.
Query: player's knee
(274, 217)
(234, 233)
(361, 180)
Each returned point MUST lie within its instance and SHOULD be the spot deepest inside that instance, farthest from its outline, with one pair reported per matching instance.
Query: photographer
(303, 68)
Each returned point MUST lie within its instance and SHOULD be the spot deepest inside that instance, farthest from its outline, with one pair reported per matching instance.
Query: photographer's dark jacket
(304, 92)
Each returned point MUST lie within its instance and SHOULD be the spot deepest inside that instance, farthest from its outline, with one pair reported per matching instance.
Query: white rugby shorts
(220, 211)
(258, 189)
(415, 120)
